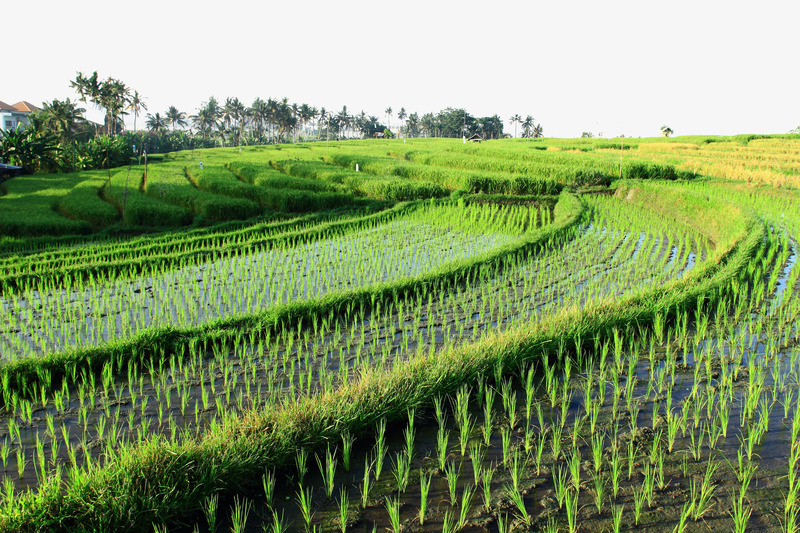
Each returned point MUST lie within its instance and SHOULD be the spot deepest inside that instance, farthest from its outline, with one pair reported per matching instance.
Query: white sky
(700, 67)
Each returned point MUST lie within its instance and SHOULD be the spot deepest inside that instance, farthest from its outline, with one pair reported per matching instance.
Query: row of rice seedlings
(620, 368)
(242, 282)
(292, 364)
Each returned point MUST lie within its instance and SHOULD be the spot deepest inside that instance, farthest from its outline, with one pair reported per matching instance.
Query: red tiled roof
(5, 107)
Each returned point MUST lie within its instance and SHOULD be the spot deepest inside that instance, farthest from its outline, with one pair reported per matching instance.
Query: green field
(406, 335)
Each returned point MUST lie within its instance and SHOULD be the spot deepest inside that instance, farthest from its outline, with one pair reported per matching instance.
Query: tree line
(60, 139)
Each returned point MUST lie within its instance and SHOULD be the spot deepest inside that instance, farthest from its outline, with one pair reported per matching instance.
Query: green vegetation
(424, 334)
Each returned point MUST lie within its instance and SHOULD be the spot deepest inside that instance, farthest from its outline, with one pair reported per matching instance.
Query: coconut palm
(516, 119)
(388, 118)
(137, 105)
(175, 117)
(156, 123)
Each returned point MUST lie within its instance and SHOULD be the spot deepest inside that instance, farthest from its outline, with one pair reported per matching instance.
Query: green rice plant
(239, 514)
(575, 469)
(639, 497)
(616, 517)
(442, 446)
(571, 507)
(477, 456)
(505, 439)
(451, 475)
(701, 496)
(210, 511)
(303, 500)
(597, 440)
(424, 488)
(279, 524)
(366, 484)
(344, 505)
(560, 484)
(599, 483)
(327, 471)
(448, 522)
(393, 509)
(268, 482)
(301, 460)
(541, 439)
(686, 513)
(502, 523)
(556, 442)
(740, 513)
(401, 470)
(486, 482)
(519, 503)
(380, 449)
(464, 432)
(466, 502)
(347, 447)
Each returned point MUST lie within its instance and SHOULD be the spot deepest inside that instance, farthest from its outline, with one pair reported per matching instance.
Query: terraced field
(496, 337)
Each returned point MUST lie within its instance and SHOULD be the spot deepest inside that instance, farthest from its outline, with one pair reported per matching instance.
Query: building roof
(19, 107)
(26, 107)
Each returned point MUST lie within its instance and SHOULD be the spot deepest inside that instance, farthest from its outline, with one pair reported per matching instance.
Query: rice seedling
(328, 471)
(366, 484)
(599, 484)
(210, 511)
(486, 483)
(303, 500)
(740, 513)
(393, 510)
(239, 513)
(344, 505)
(451, 475)
(571, 507)
(466, 502)
(560, 484)
(425, 485)
(268, 482)
(401, 470)
(519, 505)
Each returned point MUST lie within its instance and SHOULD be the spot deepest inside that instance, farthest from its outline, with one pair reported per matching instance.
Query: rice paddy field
(407, 335)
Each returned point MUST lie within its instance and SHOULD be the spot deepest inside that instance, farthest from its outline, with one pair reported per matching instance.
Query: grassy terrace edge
(164, 483)
(138, 261)
(30, 376)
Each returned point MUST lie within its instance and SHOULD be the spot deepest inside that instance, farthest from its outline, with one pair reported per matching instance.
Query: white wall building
(13, 115)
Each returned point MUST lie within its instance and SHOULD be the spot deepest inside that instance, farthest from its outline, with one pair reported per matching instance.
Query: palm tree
(156, 123)
(206, 118)
(137, 105)
(88, 89)
(323, 114)
(175, 117)
(389, 118)
(516, 119)
(402, 115)
(259, 114)
(343, 121)
(527, 127)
